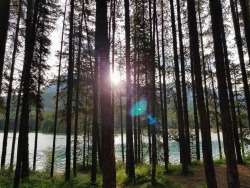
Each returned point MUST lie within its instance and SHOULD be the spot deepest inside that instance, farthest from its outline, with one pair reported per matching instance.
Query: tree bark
(232, 171)
(183, 84)
(182, 140)
(129, 138)
(22, 164)
(205, 129)
(8, 104)
(108, 155)
(164, 90)
(57, 94)
(196, 123)
(216, 114)
(4, 24)
(238, 40)
(231, 98)
(15, 128)
(69, 92)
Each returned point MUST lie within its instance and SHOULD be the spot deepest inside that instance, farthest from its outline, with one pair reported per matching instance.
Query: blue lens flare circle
(138, 108)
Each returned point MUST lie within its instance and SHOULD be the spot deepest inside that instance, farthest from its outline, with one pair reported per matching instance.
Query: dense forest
(150, 71)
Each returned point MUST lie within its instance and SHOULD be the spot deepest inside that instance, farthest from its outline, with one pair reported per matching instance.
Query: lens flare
(151, 120)
(138, 108)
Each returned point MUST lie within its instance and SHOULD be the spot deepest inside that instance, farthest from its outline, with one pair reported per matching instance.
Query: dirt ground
(198, 179)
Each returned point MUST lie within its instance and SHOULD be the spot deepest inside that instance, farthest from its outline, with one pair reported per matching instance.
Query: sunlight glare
(115, 77)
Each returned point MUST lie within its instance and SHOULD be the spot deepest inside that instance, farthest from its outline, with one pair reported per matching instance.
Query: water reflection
(45, 145)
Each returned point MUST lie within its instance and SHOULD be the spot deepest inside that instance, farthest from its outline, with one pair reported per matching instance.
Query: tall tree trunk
(88, 147)
(246, 18)
(4, 24)
(135, 97)
(205, 129)
(108, 155)
(69, 92)
(95, 109)
(57, 94)
(164, 89)
(139, 118)
(15, 128)
(153, 94)
(77, 92)
(121, 114)
(232, 171)
(146, 81)
(7, 113)
(113, 14)
(238, 39)
(216, 114)
(182, 140)
(149, 128)
(239, 116)
(22, 165)
(183, 84)
(84, 142)
(38, 106)
(129, 138)
(196, 123)
(231, 98)
(161, 101)
(204, 65)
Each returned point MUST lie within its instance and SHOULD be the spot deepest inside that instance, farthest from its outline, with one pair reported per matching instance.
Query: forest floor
(198, 178)
(173, 179)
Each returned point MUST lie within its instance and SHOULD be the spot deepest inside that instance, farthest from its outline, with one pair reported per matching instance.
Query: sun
(115, 77)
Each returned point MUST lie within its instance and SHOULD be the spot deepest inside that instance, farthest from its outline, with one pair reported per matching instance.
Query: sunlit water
(45, 144)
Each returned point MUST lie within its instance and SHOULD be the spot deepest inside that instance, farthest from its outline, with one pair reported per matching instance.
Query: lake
(45, 146)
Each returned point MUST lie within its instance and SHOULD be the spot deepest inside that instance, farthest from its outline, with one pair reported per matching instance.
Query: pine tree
(4, 24)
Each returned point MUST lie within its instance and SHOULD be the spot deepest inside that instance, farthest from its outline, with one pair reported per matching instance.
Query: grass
(43, 180)
(142, 177)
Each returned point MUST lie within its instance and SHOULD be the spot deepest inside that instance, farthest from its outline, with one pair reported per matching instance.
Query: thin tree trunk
(216, 115)
(15, 128)
(196, 123)
(153, 94)
(184, 90)
(246, 18)
(121, 114)
(238, 39)
(8, 104)
(88, 147)
(69, 92)
(77, 93)
(95, 113)
(232, 171)
(161, 100)
(4, 24)
(149, 128)
(38, 100)
(130, 169)
(146, 83)
(204, 66)
(22, 165)
(205, 129)
(113, 14)
(57, 94)
(239, 116)
(135, 97)
(231, 98)
(139, 118)
(164, 90)
(182, 140)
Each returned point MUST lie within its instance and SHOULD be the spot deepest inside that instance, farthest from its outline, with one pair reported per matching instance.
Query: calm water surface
(45, 146)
